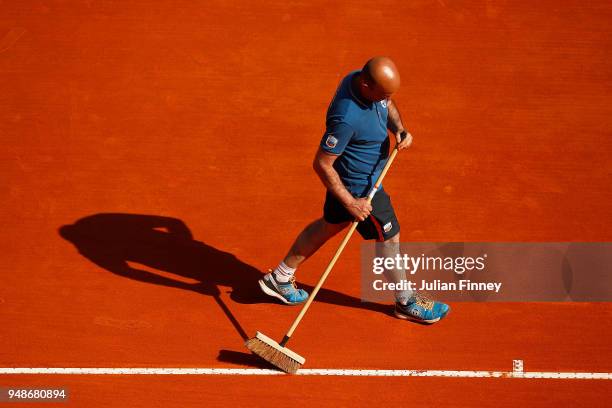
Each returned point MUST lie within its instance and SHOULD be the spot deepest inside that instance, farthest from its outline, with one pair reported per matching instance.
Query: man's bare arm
(395, 125)
(323, 166)
(394, 121)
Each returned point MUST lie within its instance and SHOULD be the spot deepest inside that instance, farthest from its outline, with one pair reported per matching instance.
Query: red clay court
(156, 160)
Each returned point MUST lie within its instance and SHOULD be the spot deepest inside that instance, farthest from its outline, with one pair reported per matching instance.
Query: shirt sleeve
(336, 137)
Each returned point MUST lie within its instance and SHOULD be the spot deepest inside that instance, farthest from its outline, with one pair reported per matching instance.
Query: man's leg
(280, 283)
(310, 240)
(307, 243)
(389, 249)
(384, 226)
(409, 304)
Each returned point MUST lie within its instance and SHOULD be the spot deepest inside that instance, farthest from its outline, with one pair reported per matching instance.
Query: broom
(276, 353)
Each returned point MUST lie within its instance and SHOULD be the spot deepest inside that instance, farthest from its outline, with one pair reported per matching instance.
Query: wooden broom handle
(340, 249)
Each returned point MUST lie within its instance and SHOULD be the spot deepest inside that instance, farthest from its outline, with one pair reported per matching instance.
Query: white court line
(311, 371)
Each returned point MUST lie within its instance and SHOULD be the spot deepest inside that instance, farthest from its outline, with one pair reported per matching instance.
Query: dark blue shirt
(357, 132)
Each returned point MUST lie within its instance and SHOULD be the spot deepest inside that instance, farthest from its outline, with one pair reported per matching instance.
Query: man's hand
(403, 144)
(359, 208)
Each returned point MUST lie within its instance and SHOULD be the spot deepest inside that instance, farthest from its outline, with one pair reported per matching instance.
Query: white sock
(404, 296)
(283, 273)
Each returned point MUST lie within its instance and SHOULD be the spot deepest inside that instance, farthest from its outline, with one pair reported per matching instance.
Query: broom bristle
(272, 352)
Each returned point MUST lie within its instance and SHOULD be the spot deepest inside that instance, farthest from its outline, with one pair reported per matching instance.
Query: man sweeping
(351, 156)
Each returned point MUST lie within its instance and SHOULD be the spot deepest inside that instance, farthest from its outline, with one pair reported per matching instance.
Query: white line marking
(307, 371)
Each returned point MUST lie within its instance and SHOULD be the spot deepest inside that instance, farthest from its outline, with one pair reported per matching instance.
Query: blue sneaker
(421, 310)
(287, 292)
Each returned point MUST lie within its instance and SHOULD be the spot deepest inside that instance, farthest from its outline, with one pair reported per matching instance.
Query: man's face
(372, 91)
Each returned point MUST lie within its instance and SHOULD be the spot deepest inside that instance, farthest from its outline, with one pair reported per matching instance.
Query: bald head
(379, 79)
(383, 73)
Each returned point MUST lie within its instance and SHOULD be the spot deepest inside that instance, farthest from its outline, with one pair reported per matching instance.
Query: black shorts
(381, 225)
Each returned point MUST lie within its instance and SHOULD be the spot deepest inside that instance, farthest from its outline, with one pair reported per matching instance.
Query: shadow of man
(112, 240)
(164, 243)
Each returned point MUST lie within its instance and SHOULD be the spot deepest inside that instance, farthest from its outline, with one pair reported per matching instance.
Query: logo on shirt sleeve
(387, 227)
(331, 141)
(383, 103)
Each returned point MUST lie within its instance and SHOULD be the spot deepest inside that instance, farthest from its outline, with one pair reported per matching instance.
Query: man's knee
(332, 229)
(321, 229)
(389, 247)
(393, 239)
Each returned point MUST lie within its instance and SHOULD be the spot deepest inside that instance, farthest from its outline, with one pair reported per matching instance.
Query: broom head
(274, 353)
